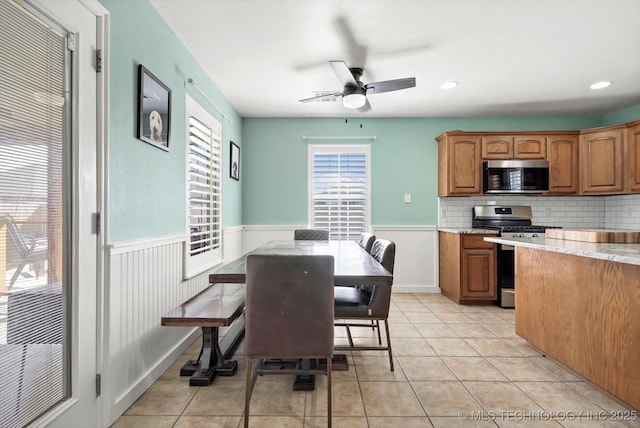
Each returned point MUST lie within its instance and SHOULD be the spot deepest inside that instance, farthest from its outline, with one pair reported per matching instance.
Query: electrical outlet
(407, 198)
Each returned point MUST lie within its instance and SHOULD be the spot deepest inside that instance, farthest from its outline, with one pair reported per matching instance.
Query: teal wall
(628, 114)
(404, 159)
(146, 185)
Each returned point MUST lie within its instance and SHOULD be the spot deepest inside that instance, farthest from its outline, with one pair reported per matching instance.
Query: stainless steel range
(510, 222)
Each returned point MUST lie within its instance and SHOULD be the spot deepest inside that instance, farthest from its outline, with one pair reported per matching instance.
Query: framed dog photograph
(234, 163)
(154, 109)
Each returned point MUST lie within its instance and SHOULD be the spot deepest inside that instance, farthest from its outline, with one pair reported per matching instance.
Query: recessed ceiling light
(449, 85)
(600, 85)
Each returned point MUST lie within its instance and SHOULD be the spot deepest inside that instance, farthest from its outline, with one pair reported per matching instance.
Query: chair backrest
(20, 247)
(366, 241)
(384, 251)
(311, 235)
(289, 306)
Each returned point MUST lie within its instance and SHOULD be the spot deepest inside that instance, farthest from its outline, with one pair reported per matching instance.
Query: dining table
(352, 266)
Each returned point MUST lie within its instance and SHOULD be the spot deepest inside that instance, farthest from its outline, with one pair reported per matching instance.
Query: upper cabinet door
(562, 153)
(459, 164)
(530, 147)
(602, 162)
(465, 166)
(514, 147)
(633, 144)
(497, 147)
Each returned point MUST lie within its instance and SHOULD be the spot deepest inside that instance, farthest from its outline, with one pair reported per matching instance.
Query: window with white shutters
(339, 190)
(204, 246)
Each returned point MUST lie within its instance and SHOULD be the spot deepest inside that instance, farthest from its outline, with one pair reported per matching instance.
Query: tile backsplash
(611, 212)
(622, 212)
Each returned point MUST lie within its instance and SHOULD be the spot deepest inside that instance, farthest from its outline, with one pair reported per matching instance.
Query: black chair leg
(248, 390)
(386, 327)
(349, 337)
(329, 392)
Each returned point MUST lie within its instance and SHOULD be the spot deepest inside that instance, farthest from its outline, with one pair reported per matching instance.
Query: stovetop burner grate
(506, 219)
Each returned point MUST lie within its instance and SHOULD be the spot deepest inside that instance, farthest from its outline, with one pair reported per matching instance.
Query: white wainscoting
(416, 265)
(254, 236)
(144, 282)
(416, 252)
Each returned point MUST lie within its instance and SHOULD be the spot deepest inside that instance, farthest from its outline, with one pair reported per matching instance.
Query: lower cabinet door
(479, 273)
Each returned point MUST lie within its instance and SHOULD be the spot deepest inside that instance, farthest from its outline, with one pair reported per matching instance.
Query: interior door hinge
(98, 384)
(99, 61)
(97, 223)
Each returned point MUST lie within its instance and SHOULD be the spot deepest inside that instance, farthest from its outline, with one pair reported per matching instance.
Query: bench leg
(206, 371)
(214, 352)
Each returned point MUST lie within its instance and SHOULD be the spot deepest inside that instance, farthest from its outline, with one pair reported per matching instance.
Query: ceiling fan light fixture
(449, 85)
(600, 85)
(354, 100)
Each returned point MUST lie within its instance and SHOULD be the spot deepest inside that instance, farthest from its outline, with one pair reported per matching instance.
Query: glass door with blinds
(339, 190)
(35, 72)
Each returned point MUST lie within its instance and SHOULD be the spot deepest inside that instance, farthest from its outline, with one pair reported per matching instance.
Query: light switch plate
(407, 198)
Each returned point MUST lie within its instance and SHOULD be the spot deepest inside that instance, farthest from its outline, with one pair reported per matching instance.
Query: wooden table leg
(339, 362)
(305, 382)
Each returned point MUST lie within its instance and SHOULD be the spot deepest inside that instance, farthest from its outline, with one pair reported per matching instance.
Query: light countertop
(620, 253)
(468, 230)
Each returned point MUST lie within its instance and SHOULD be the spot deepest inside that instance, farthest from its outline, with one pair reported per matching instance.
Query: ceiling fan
(354, 94)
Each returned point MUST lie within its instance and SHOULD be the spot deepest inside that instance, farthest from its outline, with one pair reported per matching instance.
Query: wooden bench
(218, 305)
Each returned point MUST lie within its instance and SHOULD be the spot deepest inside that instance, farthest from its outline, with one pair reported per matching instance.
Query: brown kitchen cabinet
(506, 147)
(564, 165)
(530, 147)
(467, 267)
(497, 147)
(633, 151)
(602, 160)
(459, 165)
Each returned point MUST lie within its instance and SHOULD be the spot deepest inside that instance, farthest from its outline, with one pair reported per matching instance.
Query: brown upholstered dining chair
(367, 302)
(366, 241)
(289, 315)
(311, 235)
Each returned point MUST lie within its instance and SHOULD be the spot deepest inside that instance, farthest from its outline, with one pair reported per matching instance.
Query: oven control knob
(535, 235)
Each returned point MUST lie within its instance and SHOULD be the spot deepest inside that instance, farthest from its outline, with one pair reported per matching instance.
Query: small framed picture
(234, 162)
(154, 109)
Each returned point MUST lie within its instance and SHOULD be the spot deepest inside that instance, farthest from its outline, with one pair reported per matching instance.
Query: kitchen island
(579, 303)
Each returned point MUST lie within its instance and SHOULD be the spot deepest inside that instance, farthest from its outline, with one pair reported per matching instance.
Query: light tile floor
(454, 366)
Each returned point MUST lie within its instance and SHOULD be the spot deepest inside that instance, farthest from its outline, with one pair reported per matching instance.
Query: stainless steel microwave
(516, 176)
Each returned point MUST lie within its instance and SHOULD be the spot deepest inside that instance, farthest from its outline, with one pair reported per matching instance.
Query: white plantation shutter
(339, 190)
(204, 247)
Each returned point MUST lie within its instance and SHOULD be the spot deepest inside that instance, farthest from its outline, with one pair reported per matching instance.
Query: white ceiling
(511, 57)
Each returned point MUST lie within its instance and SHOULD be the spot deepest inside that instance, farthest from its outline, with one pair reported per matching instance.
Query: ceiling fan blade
(323, 97)
(365, 108)
(390, 85)
(344, 74)
(356, 53)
